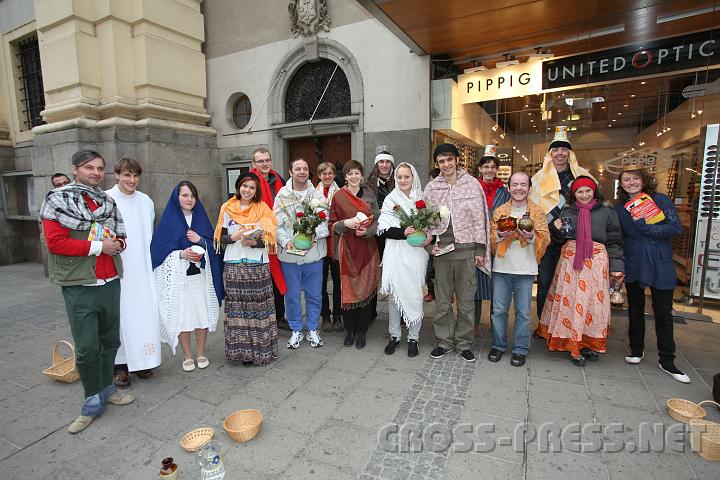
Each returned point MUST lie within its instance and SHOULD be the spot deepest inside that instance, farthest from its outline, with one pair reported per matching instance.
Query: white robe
(139, 317)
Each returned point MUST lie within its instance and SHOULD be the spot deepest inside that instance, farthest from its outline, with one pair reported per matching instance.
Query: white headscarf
(403, 273)
(388, 218)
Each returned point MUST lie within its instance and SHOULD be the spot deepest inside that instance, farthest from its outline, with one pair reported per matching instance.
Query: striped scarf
(67, 206)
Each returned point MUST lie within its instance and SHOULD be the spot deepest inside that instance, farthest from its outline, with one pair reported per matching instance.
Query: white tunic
(139, 318)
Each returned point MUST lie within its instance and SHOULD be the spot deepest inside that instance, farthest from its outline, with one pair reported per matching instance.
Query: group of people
(129, 285)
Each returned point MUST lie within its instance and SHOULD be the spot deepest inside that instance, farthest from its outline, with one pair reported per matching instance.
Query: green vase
(416, 238)
(302, 241)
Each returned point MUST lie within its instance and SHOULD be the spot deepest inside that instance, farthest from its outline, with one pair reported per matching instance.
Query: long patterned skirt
(577, 310)
(250, 325)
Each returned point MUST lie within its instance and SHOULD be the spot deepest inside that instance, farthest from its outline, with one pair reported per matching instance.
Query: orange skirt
(577, 310)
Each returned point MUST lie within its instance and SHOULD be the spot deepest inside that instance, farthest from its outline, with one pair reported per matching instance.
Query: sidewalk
(342, 413)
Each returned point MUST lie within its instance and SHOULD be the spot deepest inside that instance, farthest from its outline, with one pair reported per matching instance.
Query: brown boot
(326, 324)
(338, 325)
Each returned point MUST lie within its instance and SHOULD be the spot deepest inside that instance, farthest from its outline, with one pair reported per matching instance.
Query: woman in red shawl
(353, 224)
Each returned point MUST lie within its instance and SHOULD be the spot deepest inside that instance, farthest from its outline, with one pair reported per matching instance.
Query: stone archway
(315, 49)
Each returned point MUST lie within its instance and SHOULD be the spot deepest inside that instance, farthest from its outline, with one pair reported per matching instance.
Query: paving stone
(342, 445)
(270, 452)
(558, 395)
(566, 465)
(472, 465)
(555, 369)
(619, 392)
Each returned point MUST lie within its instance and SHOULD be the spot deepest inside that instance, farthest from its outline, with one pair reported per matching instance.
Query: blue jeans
(506, 287)
(307, 277)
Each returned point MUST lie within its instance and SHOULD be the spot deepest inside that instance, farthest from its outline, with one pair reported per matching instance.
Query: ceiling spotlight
(626, 105)
(619, 113)
(643, 82)
(495, 127)
(502, 135)
(610, 126)
(699, 111)
(526, 105)
(692, 115)
(641, 143)
(632, 95)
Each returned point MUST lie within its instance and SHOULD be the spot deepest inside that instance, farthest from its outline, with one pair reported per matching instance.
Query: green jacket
(69, 271)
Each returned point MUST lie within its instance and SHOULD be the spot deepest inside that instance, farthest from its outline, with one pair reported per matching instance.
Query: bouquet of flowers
(306, 216)
(421, 217)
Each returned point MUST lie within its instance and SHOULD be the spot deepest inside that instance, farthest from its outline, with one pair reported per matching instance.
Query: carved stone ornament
(307, 17)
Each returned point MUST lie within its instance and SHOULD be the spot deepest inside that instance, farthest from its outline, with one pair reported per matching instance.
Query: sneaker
(360, 341)
(517, 360)
(413, 349)
(349, 339)
(80, 424)
(392, 345)
(438, 352)
(295, 339)
(313, 336)
(634, 358)
(283, 324)
(674, 372)
(467, 355)
(120, 399)
(495, 355)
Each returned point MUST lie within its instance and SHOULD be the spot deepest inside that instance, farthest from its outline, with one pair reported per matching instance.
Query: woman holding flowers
(353, 223)
(404, 265)
(302, 229)
(246, 230)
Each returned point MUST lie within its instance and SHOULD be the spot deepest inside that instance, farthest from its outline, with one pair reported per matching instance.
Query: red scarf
(584, 242)
(358, 256)
(268, 197)
(490, 188)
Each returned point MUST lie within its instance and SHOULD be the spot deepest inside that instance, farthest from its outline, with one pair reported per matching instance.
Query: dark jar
(169, 469)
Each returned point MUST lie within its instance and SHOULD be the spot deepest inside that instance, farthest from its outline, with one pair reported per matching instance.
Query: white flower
(314, 203)
(444, 212)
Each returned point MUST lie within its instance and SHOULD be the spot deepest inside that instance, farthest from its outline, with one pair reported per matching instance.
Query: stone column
(127, 78)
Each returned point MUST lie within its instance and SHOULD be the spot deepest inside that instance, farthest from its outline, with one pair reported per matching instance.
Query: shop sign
(687, 52)
(506, 82)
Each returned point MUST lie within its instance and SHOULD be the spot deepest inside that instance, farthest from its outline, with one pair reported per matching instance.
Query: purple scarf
(584, 242)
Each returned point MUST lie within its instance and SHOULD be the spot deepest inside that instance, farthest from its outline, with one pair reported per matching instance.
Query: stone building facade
(189, 89)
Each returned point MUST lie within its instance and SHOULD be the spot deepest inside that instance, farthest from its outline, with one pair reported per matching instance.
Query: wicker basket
(63, 368)
(685, 410)
(243, 425)
(705, 439)
(194, 440)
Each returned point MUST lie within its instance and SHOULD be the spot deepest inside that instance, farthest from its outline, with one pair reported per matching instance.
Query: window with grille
(30, 78)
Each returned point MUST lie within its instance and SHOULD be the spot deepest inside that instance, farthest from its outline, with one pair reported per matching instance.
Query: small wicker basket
(63, 368)
(705, 439)
(685, 410)
(194, 440)
(243, 425)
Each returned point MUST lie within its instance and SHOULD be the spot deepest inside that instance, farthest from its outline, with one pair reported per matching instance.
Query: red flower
(420, 204)
(321, 215)
(299, 214)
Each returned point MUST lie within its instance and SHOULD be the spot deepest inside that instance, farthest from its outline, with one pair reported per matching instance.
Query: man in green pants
(85, 233)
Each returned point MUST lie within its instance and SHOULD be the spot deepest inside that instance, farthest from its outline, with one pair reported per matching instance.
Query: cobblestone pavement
(342, 413)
